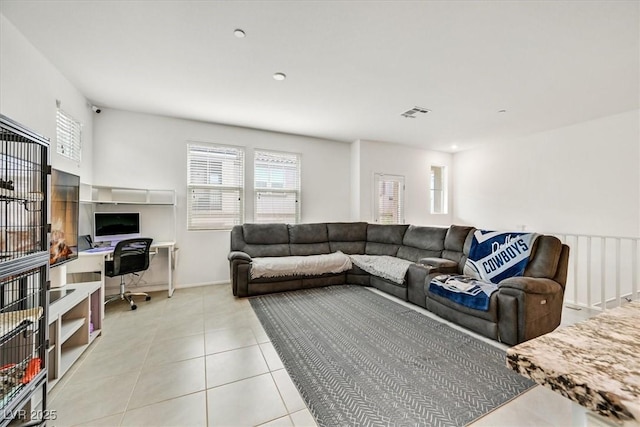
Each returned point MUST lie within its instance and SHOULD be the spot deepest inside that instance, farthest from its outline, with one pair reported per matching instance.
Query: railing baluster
(589, 272)
(618, 284)
(575, 270)
(634, 269)
(603, 273)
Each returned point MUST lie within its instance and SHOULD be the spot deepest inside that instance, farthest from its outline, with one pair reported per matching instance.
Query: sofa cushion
(308, 233)
(347, 231)
(373, 248)
(265, 234)
(266, 250)
(304, 249)
(414, 254)
(429, 238)
(455, 238)
(422, 242)
(308, 239)
(384, 239)
(259, 244)
(545, 256)
(457, 244)
(355, 248)
(349, 238)
(386, 233)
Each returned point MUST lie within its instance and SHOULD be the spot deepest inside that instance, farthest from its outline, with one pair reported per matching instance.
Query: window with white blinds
(276, 187)
(215, 186)
(389, 199)
(68, 136)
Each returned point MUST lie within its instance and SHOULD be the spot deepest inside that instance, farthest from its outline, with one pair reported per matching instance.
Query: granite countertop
(595, 363)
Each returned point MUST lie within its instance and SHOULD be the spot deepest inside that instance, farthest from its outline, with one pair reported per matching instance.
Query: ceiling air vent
(412, 113)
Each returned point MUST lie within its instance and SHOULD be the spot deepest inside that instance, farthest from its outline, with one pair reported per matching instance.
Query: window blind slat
(276, 187)
(215, 181)
(389, 199)
(68, 136)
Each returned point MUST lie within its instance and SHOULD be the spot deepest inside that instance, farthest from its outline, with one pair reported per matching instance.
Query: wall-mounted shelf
(122, 195)
(157, 208)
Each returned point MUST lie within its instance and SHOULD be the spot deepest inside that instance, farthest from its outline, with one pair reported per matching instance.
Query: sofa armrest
(528, 307)
(239, 272)
(531, 285)
(440, 265)
(238, 256)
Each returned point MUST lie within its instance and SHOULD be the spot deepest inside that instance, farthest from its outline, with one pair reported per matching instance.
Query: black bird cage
(24, 263)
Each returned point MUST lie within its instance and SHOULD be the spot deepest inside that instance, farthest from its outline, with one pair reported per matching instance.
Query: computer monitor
(115, 226)
(64, 209)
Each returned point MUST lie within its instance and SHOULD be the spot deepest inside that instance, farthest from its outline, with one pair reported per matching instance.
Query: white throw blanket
(387, 267)
(311, 265)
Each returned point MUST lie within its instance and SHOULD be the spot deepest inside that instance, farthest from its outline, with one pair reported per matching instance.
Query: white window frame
(68, 136)
(395, 213)
(227, 193)
(287, 191)
(438, 194)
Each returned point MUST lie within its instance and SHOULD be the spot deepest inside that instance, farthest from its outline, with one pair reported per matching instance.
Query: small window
(389, 199)
(68, 136)
(438, 190)
(215, 184)
(277, 187)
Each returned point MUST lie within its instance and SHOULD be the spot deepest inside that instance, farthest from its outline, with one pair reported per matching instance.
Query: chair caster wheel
(147, 298)
(133, 306)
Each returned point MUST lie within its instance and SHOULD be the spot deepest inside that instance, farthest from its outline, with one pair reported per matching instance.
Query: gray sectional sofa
(522, 308)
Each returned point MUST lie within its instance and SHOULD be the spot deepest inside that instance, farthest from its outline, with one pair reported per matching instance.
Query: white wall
(146, 151)
(412, 163)
(30, 86)
(577, 179)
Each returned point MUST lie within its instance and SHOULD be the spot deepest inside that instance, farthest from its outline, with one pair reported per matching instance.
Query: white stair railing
(603, 270)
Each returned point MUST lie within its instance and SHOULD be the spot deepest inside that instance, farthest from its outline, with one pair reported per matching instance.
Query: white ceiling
(353, 66)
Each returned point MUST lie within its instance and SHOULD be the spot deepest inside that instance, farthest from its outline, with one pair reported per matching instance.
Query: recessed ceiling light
(239, 33)
(279, 76)
(454, 147)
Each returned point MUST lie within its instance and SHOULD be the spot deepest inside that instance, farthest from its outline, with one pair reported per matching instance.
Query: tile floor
(201, 358)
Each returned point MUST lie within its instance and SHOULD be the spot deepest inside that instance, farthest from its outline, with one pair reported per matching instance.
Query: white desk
(94, 261)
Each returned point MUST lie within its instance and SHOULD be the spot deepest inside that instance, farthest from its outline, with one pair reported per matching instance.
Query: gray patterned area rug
(360, 359)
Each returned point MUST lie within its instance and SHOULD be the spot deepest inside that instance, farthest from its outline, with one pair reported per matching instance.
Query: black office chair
(129, 256)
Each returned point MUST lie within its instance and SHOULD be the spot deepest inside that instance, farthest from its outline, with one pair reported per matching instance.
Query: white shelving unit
(157, 207)
(122, 195)
(70, 318)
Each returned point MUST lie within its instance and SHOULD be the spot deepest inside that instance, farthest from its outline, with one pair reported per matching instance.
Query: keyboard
(100, 249)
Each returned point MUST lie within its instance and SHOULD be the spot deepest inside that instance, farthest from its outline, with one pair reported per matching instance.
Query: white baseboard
(197, 285)
(611, 302)
(158, 287)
